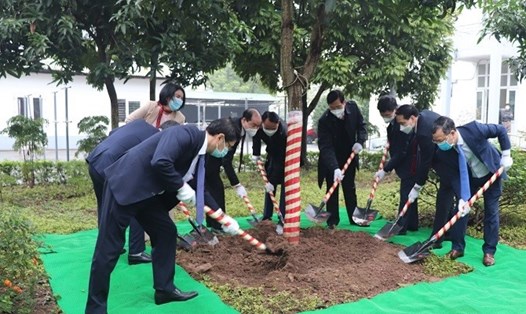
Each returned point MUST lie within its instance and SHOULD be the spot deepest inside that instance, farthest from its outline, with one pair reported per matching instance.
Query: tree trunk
(291, 82)
(110, 87)
(305, 114)
(153, 76)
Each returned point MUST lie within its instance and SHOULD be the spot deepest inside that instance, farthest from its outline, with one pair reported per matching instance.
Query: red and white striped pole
(291, 230)
(380, 167)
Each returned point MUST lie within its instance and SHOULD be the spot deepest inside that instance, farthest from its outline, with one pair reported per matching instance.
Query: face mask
(270, 132)
(175, 103)
(251, 132)
(338, 112)
(444, 145)
(388, 120)
(220, 153)
(406, 129)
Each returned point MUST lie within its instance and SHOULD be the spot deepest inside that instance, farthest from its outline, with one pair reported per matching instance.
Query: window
(133, 105)
(22, 106)
(482, 91)
(508, 90)
(37, 108)
(121, 104)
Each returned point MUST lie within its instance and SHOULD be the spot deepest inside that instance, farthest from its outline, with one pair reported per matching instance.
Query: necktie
(200, 197)
(465, 192)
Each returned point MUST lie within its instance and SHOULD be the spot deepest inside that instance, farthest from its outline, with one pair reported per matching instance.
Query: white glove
(506, 160)
(338, 176)
(415, 191)
(186, 194)
(380, 174)
(269, 187)
(232, 227)
(240, 190)
(357, 148)
(255, 159)
(463, 208)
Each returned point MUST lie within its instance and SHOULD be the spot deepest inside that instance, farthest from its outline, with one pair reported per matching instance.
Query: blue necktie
(465, 192)
(200, 197)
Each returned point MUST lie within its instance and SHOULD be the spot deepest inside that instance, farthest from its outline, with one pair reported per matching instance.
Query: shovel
(271, 194)
(365, 216)
(224, 219)
(316, 214)
(256, 220)
(186, 243)
(392, 228)
(200, 233)
(420, 250)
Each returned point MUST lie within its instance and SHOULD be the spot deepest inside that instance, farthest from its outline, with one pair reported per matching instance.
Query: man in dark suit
(145, 183)
(106, 153)
(274, 134)
(249, 123)
(402, 159)
(341, 130)
(410, 120)
(483, 160)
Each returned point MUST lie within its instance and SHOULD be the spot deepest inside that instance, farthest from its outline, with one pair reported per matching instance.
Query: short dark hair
(387, 103)
(335, 94)
(167, 124)
(226, 126)
(407, 111)
(249, 113)
(271, 116)
(445, 123)
(168, 91)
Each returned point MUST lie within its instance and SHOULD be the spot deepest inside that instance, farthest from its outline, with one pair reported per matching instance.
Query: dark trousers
(410, 219)
(491, 217)
(136, 238)
(445, 203)
(216, 189)
(349, 193)
(153, 216)
(269, 206)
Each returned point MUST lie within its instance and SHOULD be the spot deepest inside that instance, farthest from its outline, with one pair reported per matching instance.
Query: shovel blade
(187, 242)
(390, 229)
(315, 215)
(364, 216)
(206, 236)
(415, 252)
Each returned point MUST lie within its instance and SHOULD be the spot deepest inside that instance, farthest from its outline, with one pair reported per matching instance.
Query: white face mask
(389, 119)
(270, 132)
(338, 112)
(406, 129)
(251, 132)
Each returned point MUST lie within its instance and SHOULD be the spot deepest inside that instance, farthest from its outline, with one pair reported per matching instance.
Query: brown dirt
(337, 266)
(45, 302)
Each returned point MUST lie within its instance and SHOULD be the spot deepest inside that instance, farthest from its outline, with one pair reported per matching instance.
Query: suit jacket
(425, 145)
(329, 137)
(119, 141)
(155, 166)
(276, 149)
(213, 164)
(401, 153)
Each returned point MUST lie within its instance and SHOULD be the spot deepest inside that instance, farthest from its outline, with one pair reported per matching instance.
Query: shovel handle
(223, 219)
(271, 194)
(335, 183)
(380, 167)
(192, 222)
(249, 205)
(472, 200)
(403, 211)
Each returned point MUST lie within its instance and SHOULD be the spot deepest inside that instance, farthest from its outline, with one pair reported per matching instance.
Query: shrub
(20, 268)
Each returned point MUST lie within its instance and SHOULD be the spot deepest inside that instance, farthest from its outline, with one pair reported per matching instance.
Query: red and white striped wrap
(249, 205)
(224, 219)
(271, 194)
(472, 200)
(291, 229)
(184, 209)
(405, 208)
(335, 184)
(380, 167)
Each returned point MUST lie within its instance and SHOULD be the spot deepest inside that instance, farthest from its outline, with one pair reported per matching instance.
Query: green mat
(497, 289)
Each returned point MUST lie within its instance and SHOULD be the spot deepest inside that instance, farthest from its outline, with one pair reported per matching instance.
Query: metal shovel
(316, 214)
(419, 250)
(199, 233)
(365, 216)
(393, 228)
(256, 219)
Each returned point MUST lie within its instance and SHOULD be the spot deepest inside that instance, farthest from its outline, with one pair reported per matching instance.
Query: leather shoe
(141, 258)
(454, 254)
(488, 260)
(162, 297)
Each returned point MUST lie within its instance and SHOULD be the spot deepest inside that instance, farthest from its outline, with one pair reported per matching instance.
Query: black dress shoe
(454, 254)
(162, 297)
(141, 258)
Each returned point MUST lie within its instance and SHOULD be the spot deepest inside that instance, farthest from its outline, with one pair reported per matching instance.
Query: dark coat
(329, 137)
(276, 149)
(402, 156)
(425, 145)
(213, 164)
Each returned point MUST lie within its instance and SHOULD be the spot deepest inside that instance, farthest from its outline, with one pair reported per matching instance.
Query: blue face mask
(175, 103)
(220, 153)
(444, 145)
